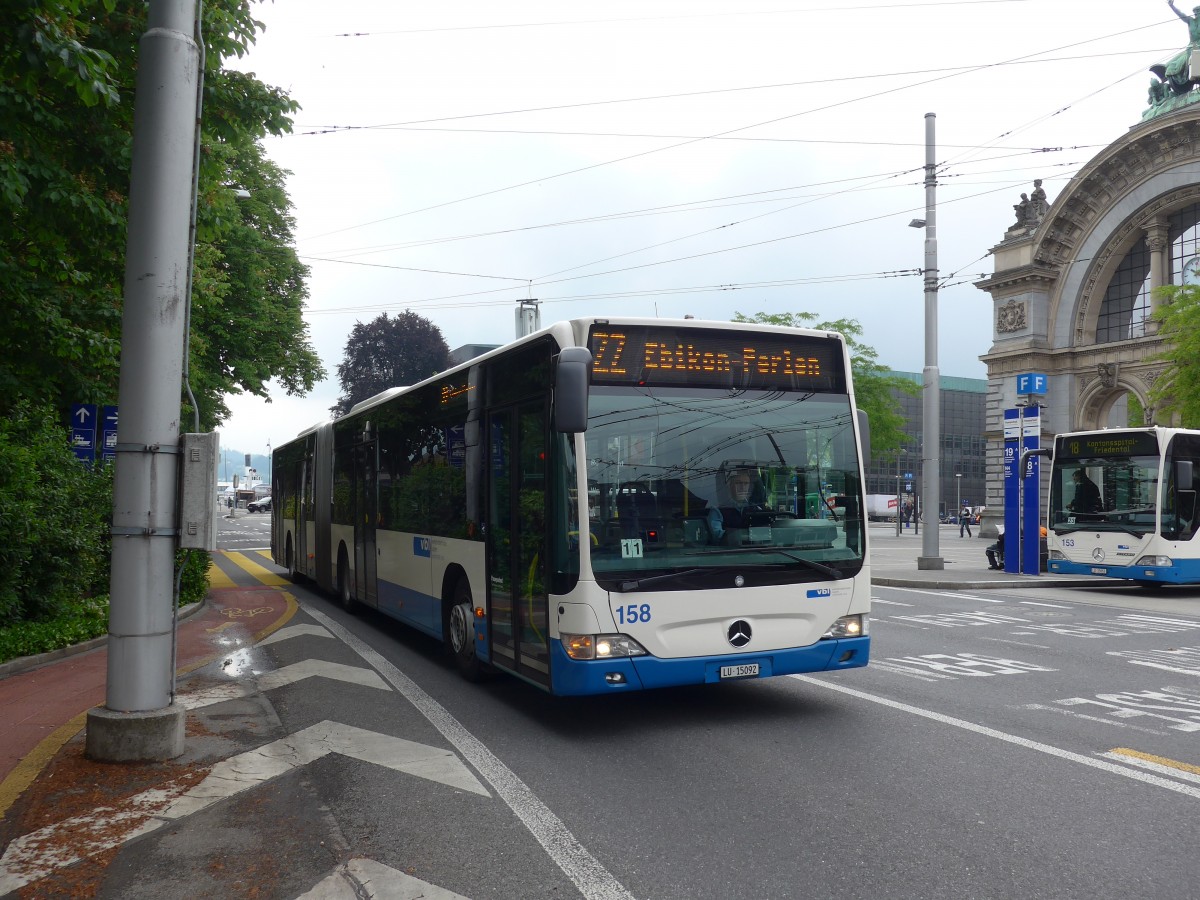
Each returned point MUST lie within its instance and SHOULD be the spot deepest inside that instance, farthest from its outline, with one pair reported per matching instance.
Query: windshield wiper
(1107, 525)
(627, 586)
(828, 571)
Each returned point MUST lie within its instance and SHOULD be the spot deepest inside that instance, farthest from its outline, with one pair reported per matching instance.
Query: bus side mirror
(571, 390)
(864, 437)
(1183, 474)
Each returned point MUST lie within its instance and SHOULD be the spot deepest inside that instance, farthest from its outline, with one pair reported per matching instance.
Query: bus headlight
(1057, 554)
(1154, 561)
(601, 646)
(847, 627)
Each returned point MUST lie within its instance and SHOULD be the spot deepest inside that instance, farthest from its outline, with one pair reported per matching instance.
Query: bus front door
(518, 605)
(364, 523)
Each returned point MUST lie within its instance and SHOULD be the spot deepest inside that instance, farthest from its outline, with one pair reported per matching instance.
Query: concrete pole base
(931, 563)
(150, 736)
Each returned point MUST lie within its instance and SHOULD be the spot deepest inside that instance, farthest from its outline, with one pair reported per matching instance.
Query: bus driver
(722, 519)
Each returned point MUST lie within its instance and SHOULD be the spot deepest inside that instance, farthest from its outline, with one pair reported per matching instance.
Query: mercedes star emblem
(739, 633)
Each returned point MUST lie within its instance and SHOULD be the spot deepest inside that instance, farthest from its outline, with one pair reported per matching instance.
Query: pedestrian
(964, 522)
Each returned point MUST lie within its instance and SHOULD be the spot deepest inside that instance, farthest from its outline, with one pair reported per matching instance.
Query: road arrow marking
(295, 631)
(311, 668)
(359, 878)
(33, 856)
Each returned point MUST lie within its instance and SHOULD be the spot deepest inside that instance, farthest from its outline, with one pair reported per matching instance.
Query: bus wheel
(460, 632)
(345, 598)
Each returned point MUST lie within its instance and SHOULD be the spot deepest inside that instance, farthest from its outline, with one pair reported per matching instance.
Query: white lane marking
(35, 855)
(889, 602)
(1069, 756)
(1049, 605)
(1018, 643)
(591, 878)
(953, 595)
(292, 631)
(360, 878)
(1087, 718)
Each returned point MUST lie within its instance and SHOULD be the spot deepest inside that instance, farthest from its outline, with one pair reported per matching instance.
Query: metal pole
(931, 430)
(141, 617)
(899, 507)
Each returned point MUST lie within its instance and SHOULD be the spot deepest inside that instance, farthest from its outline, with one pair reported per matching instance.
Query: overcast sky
(672, 157)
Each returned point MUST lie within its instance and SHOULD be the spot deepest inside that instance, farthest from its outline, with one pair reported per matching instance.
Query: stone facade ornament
(1107, 373)
(1010, 317)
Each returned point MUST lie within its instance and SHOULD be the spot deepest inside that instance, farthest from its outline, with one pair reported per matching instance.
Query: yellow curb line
(28, 769)
(1161, 760)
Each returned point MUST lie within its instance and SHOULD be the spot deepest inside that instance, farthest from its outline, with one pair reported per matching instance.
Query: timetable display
(715, 358)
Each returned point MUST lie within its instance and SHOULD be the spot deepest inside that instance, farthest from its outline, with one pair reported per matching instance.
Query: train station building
(1073, 288)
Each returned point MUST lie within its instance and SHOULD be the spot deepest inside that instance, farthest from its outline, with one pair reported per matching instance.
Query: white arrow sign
(33, 856)
(359, 878)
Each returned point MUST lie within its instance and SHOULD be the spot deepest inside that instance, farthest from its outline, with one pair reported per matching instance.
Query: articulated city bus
(605, 505)
(1123, 505)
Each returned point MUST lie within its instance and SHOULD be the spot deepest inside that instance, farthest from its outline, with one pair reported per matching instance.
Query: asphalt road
(1028, 743)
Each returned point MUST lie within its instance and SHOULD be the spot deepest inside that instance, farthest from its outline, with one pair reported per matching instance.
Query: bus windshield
(1111, 493)
(683, 481)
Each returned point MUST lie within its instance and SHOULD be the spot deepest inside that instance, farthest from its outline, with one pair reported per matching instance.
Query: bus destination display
(692, 356)
(1106, 444)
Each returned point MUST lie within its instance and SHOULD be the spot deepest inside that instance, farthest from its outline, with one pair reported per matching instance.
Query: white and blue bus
(560, 508)
(1123, 505)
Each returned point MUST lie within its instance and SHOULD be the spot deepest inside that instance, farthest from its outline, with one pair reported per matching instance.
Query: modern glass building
(963, 456)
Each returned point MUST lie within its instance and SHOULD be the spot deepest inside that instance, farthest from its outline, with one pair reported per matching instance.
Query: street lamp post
(958, 489)
(931, 471)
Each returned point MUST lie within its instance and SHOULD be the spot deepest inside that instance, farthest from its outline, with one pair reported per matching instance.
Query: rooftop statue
(1032, 208)
(1180, 74)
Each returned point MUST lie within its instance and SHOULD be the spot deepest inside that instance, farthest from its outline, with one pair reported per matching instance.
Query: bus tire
(344, 596)
(460, 632)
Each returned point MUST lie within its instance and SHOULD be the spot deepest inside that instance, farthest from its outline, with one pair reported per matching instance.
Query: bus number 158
(632, 613)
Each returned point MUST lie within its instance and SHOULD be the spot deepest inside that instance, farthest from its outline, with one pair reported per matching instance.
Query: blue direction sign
(83, 431)
(1032, 383)
(108, 433)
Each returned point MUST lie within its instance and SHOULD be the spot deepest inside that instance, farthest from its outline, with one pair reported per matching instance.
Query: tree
(873, 387)
(1177, 390)
(388, 353)
(67, 71)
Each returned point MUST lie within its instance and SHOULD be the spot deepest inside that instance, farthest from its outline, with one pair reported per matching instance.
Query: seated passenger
(995, 551)
(722, 520)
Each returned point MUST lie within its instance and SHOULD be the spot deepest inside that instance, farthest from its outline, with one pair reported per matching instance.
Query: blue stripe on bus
(414, 608)
(569, 676)
(1184, 571)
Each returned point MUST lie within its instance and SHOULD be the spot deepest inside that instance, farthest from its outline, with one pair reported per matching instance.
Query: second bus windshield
(686, 478)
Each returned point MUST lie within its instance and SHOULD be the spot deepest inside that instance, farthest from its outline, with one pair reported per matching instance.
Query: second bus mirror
(571, 390)
(1183, 474)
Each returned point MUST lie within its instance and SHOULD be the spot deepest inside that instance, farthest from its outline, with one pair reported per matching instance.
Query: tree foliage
(67, 70)
(388, 352)
(1177, 391)
(54, 516)
(873, 387)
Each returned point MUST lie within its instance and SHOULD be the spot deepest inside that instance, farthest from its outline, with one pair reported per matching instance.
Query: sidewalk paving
(44, 700)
